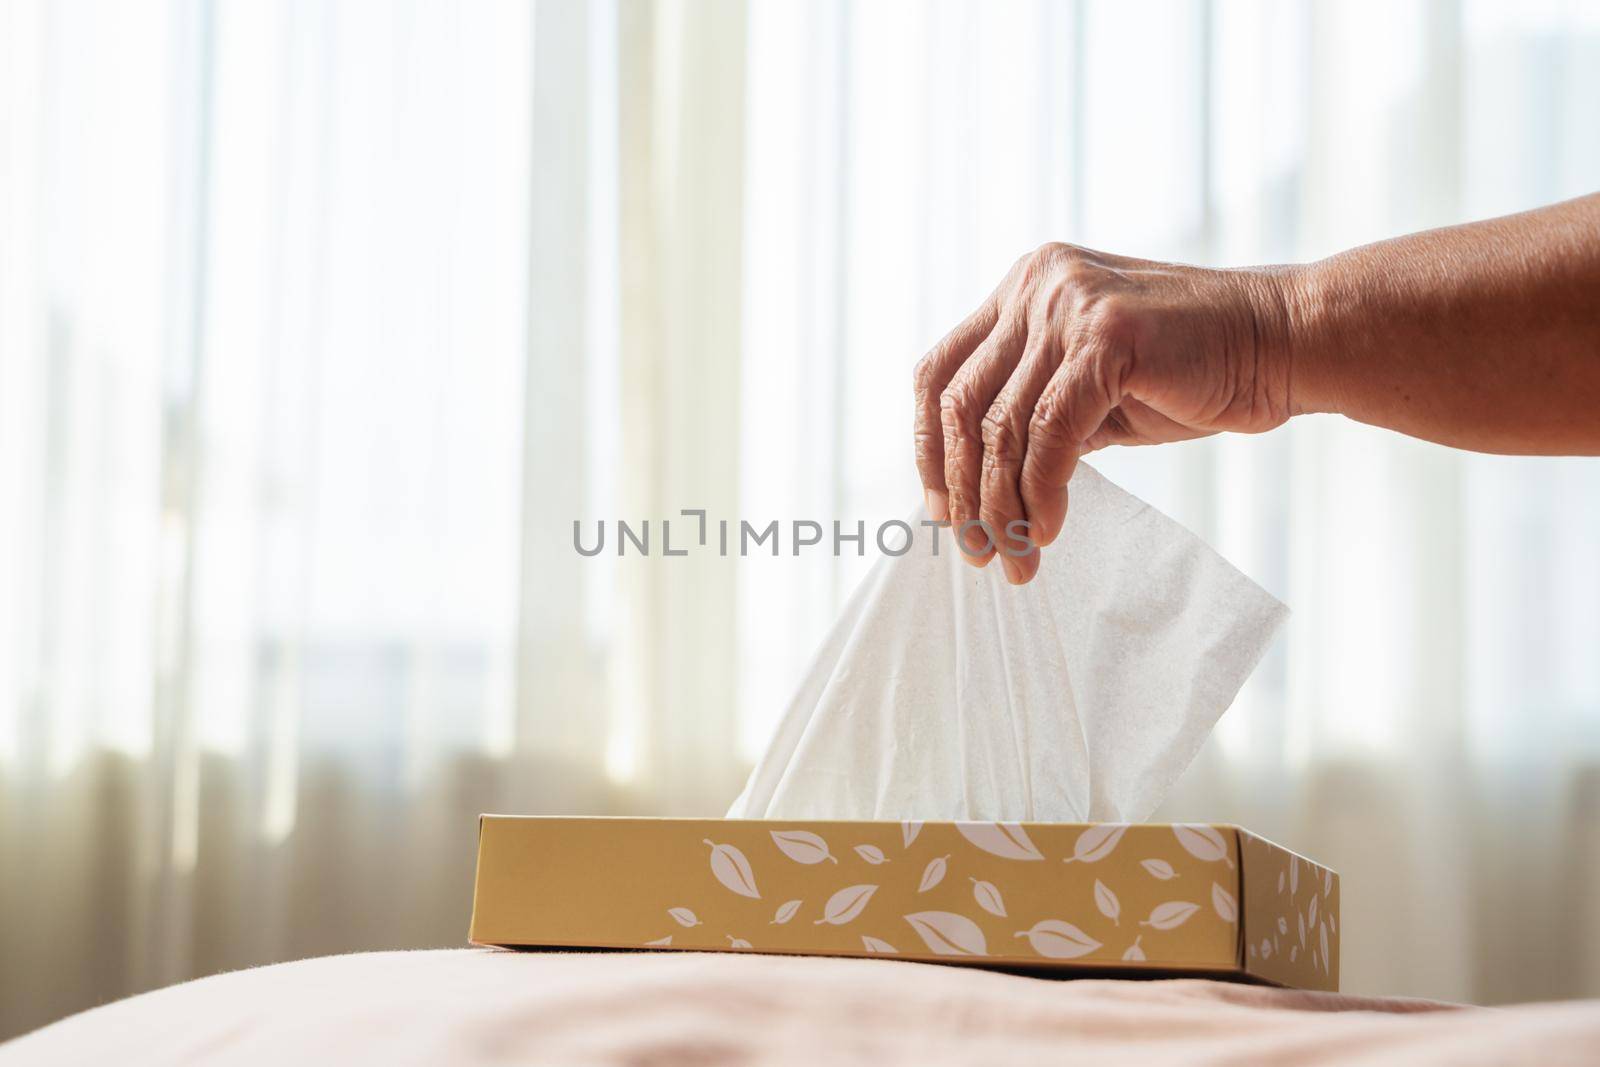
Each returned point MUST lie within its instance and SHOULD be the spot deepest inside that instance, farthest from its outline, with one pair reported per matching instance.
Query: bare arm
(1484, 336)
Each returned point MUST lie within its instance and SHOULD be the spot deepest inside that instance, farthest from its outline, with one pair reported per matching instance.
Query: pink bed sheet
(483, 1006)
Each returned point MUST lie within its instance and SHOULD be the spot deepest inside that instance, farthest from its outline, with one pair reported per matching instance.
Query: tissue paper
(943, 692)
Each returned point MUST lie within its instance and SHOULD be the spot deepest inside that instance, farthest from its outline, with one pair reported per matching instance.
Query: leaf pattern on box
(786, 911)
(1107, 902)
(802, 846)
(1096, 843)
(846, 904)
(948, 934)
(1222, 902)
(987, 894)
(1057, 939)
(1171, 915)
(1181, 888)
(1203, 843)
(1159, 869)
(1008, 840)
(732, 869)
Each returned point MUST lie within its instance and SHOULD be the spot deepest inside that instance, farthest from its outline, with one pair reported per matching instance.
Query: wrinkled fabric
(482, 1006)
(944, 692)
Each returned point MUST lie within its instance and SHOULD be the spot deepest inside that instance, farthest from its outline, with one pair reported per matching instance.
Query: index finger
(933, 372)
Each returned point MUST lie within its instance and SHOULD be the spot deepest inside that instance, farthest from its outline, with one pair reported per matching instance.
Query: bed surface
(486, 1006)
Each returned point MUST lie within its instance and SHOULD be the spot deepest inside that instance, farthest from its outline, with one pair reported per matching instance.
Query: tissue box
(1144, 899)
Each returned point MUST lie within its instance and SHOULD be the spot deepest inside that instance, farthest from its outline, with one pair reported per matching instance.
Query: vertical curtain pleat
(320, 324)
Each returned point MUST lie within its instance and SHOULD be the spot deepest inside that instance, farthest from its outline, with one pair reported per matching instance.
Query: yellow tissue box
(1147, 899)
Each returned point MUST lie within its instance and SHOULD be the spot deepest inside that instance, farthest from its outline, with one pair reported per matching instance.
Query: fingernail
(977, 541)
(938, 504)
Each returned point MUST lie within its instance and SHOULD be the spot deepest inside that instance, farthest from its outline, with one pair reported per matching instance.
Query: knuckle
(928, 448)
(956, 411)
(1047, 429)
(1114, 316)
(1002, 445)
(930, 373)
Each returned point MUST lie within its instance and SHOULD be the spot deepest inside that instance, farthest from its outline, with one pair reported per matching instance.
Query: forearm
(1484, 336)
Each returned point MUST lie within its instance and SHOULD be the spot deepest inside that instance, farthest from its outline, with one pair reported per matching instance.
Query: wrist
(1302, 291)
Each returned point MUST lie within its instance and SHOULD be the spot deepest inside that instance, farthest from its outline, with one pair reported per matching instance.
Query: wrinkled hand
(1077, 350)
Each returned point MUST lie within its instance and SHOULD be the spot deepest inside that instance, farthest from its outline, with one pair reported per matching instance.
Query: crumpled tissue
(944, 692)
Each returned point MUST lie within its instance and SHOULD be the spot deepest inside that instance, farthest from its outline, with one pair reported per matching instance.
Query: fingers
(962, 407)
(1081, 394)
(1005, 445)
(932, 375)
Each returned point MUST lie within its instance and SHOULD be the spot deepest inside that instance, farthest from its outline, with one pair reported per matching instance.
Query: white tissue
(943, 692)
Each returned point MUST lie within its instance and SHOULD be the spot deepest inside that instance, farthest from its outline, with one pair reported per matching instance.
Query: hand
(1077, 350)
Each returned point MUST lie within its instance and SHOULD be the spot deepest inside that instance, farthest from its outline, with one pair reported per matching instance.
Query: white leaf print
(732, 869)
(872, 854)
(909, 831)
(1283, 925)
(949, 934)
(933, 874)
(1058, 940)
(737, 942)
(802, 846)
(988, 897)
(1294, 950)
(1202, 842)
(1159, 869)
(873, 944)
(684, 917)
(1294, 875)
(1311, 913)
(1322, 932)
(1136, 954)
(1266, 949)
(1107, 901)
(1327, 883)
(1222, 900)
(1004, 839)
(1172, 914)
(660, 942)
(1096, 843)
(786, 912)
(1300, 918)
(1333, 922)
(846, 904)
(1280, 882)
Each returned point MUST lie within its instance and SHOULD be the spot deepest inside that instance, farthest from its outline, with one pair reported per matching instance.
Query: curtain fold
(321, 325)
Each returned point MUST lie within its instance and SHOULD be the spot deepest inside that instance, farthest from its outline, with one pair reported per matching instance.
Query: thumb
(1084, 389)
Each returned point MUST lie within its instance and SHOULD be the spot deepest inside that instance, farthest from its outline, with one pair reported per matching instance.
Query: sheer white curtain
(1430, 724)
(321, 323)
